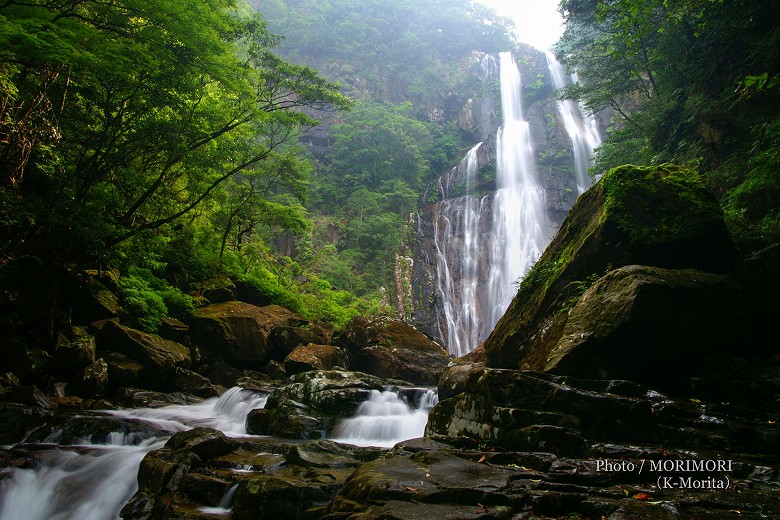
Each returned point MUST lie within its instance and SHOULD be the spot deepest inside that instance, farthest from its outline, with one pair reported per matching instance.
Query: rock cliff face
(657, 216)
(553, 165)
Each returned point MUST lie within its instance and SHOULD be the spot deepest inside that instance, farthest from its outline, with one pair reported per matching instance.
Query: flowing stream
(91, 479)
(386, 418)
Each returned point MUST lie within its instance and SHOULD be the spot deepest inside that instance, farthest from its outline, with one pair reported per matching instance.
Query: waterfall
(457, 260)
(486, 243)
(386, 419)
(580, 126)
(224, 505)
(92, 480)
(519, 208)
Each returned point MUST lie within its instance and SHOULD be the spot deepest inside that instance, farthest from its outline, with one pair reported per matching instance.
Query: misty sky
(538, 21)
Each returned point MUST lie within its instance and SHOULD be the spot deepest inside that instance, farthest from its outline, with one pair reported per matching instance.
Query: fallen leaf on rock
(482, 458)
(642, 496)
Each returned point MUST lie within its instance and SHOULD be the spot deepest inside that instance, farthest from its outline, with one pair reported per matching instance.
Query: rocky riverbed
(631, 377)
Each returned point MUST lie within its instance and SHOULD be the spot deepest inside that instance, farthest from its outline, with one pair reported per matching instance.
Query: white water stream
(91, 481)
(458, 261)
(486, 243)
(86, 480)
(386, 419)
(519, 208)
(581, 127)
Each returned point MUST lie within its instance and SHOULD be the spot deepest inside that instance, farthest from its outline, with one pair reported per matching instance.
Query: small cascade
(386, 419)
(224, 505)
(226, 414)
(92, 481)
(581, 127)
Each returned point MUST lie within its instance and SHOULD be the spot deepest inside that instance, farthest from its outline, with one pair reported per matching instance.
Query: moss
(652, 205)
(659, 215)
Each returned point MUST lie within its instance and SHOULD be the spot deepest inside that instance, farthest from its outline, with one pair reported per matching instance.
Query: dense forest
(694, 82)
(165, 142)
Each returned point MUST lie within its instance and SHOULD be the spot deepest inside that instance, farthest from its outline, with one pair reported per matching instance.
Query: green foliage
(149, 299)
(145, 305)
(406, 63)
(118, 120)
(693, 82)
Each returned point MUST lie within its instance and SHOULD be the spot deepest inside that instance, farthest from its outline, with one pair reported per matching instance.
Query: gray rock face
(651, 325)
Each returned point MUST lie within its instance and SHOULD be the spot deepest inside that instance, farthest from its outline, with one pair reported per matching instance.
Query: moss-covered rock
(391, 348)
(315, 357)
(159, 356)
(652, 325)
(238, 333)
(660, 216)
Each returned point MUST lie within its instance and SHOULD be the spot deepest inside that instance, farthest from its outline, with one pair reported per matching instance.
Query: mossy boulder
(159, 356)
(315, 357)
(659, 216)
(392, 348)
(238, 333)
(74, 352)
(656, 326)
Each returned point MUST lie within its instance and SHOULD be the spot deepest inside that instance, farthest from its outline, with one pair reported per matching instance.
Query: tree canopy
(118, 119)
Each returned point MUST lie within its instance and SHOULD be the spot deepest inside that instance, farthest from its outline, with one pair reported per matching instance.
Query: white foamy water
(486, 244)
(94, 481)
(456, 229)
(581, 127)
(386, 419)
(519, 209)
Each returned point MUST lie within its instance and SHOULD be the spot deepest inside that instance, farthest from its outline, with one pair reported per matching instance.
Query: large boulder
(315, 357)
(238, 333)
(159, 356)
(652, 325)
(392, 348)
(74, 352)
(89, 297)
(283, 340)
(93, 380)
(661, 216)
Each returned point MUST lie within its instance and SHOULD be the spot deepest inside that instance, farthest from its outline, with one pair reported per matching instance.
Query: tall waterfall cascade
(485, 242)
(457, 261)
(582, 128)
